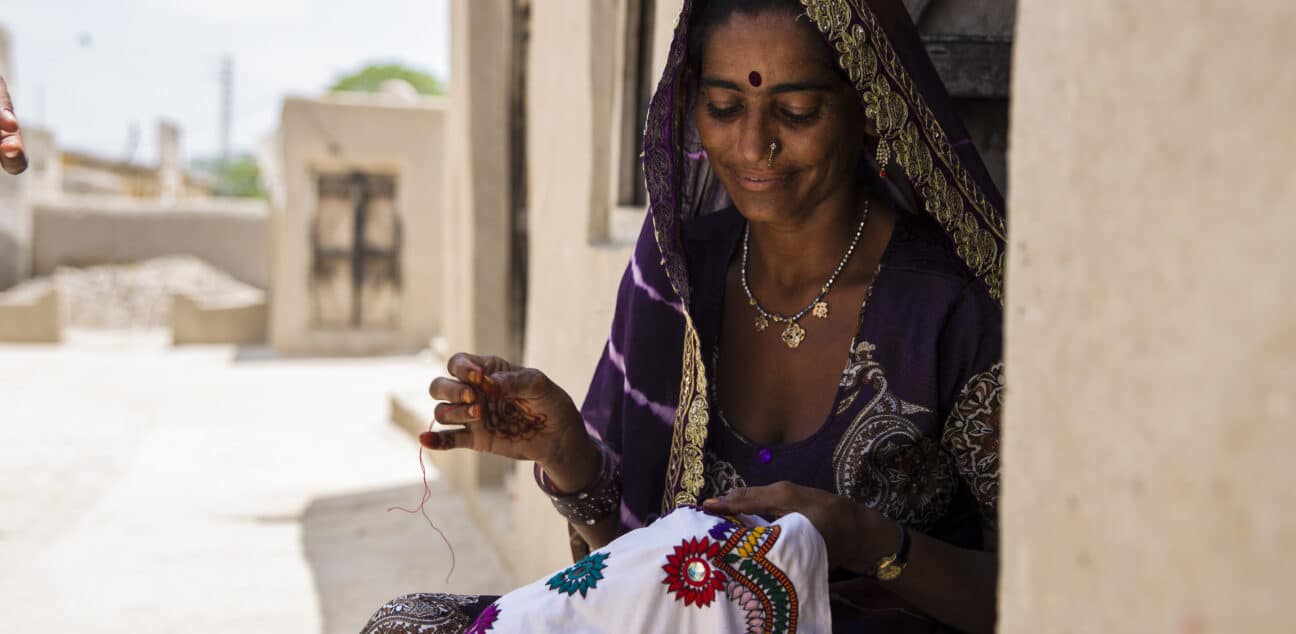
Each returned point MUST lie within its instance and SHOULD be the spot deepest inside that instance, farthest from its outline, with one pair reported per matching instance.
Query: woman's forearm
(573, 468)
(956, 586)
(600, 534)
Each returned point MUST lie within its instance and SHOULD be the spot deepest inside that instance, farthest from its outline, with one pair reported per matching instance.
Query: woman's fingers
(776, 499)
(523, 383)
(446, 439)
(471, 368)
(457, 413)
(8, 121)
(13, 156)
(451, 391)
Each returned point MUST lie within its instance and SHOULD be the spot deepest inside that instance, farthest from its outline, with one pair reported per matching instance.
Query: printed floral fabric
(884, 460)
(972, 436)
(422, 613)
(690, 571)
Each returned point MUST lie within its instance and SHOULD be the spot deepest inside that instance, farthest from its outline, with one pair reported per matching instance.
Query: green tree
(239, 177)
(369, 78)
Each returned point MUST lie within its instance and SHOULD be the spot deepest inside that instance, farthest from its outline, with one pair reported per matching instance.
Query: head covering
(649, 398)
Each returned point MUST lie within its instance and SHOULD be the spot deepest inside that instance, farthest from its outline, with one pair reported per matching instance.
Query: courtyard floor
(212, 489)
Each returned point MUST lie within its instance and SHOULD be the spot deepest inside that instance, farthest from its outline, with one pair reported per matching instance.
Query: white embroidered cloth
(690, 571)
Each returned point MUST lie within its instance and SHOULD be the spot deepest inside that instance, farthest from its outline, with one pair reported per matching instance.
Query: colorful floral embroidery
(692, 573)
(485, 621)
(720, 531)
(581, 576)
(735, 564)
(747, 601)
(746, 547)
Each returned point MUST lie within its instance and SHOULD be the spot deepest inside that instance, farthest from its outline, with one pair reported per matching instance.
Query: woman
(814, 204)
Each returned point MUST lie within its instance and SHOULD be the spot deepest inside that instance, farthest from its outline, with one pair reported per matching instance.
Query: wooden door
(356, 240)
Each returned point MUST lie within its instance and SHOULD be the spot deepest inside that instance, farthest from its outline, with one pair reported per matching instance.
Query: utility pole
(226, 106)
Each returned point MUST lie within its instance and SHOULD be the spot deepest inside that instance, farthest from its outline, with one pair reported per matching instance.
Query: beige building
(355, 263)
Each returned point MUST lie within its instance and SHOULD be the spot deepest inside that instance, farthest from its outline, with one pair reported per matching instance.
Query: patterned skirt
(427, 613)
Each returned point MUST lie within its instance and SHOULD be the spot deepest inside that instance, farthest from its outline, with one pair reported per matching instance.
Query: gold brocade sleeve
(971, 435)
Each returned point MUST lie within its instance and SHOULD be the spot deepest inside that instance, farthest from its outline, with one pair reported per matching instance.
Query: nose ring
(774, 148)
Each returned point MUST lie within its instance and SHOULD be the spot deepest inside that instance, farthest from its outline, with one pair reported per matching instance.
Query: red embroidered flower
(691, 574)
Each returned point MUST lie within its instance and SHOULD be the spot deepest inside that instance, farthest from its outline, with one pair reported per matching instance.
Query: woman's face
(766, 78)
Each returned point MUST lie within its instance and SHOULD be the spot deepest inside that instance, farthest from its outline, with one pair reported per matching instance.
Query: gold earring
(774, 146)
(883, 157)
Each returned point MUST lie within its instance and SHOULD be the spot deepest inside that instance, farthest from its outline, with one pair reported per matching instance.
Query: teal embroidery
(581, 577)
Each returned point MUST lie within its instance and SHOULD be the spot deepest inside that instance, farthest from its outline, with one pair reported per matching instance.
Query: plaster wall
(477, 237)
(1147, 483)
(575, 266)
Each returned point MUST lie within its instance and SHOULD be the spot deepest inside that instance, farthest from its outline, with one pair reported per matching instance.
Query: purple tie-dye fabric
(631, 401)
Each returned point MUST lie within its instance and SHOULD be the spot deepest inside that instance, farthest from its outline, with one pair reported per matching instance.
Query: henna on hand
(508, 418)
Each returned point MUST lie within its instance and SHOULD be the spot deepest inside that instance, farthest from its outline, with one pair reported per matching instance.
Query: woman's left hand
(13, 156)
(848, 528)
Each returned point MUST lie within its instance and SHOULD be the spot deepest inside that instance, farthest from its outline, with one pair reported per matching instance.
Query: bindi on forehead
(754, 79)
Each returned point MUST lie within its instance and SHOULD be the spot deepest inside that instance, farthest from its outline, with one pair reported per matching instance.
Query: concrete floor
(145, 488)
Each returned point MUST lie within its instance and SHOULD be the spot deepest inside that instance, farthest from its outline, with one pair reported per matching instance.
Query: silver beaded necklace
(794, 334)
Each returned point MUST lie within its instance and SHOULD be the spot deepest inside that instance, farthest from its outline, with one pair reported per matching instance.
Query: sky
(90, 70)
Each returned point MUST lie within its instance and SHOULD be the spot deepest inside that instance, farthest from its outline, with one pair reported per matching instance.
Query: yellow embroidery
(905, 122)
(685, 470)
(750, 541)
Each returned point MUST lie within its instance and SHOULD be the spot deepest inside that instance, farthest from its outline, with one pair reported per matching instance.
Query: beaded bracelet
(599, 499)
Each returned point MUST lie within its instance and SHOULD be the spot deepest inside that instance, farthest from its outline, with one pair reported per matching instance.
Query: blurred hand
(506, 410)
(13, 156)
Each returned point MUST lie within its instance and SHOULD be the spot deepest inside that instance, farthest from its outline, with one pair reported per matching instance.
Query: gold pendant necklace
(794, 334)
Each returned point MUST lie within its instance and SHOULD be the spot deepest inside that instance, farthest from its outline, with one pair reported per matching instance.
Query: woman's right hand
(514, 412)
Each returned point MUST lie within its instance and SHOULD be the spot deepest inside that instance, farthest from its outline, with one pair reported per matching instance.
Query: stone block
(239, 320)
(30, 314)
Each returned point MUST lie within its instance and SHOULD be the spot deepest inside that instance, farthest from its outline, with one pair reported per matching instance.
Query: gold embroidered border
(684, 472)
(888, 91)
(658, 152)
(685, 466)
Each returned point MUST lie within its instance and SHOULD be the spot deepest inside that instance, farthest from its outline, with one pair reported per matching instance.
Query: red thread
(422, 509)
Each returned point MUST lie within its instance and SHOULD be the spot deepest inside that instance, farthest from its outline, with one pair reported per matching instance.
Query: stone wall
(73, 230)
(1149, 425)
